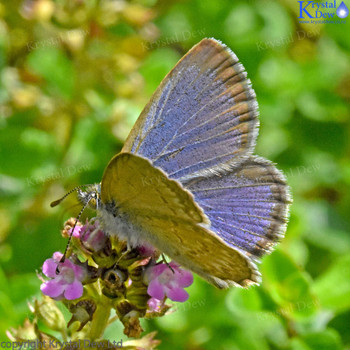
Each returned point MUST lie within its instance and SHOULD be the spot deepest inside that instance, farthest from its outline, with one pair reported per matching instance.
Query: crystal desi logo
(322, 10)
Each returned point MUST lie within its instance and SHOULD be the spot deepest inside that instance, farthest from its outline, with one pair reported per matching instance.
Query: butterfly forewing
(202, 117)
(133, 183)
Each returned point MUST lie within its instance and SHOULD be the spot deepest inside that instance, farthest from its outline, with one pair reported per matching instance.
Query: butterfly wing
(202, 118)
(247, 206)
(146, 205)
(133, 183)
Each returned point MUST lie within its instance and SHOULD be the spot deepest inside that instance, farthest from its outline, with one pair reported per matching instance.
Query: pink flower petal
(153, 272)
(67, 264)
(49, 268)
(74, 290)
(177, 294)
(184, 278)
(157, 270)
(156, 290)
(52, 288)
(57, 256)
(77, 231)
(154, 304)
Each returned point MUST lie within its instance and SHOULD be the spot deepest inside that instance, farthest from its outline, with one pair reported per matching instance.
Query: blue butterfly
(186, 180)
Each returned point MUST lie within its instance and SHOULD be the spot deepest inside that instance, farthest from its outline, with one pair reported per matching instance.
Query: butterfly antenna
(71, 233)
(58, 201)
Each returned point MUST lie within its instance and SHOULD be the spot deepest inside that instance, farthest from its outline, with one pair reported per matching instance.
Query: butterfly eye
(93, 201)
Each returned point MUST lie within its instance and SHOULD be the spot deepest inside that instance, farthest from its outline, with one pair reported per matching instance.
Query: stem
(100, 319)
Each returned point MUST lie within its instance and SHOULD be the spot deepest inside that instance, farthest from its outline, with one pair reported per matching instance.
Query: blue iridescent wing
(247, 205)
(201, 119)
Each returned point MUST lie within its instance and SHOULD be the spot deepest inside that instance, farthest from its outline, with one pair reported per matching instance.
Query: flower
(78, 229)
(165, 282)
(67, 284)
(154, 304)
(92, 237)
(90, 234)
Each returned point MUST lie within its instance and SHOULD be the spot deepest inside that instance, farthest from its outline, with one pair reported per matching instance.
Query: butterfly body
(186, 181)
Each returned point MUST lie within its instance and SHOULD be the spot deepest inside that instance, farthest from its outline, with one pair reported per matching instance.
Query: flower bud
(49, 313)
(82, 312)
(113, 282)
(131, 322)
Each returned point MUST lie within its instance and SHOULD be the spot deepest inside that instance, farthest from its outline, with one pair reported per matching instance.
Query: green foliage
(74, 77)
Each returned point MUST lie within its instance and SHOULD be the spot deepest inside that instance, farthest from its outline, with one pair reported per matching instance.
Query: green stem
(100, 319)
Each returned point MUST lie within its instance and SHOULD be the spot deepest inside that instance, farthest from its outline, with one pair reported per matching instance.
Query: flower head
(67, 284)
(91, 235)
(166, 282)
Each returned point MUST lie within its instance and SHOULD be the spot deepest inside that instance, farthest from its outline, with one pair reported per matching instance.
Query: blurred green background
(75, 75)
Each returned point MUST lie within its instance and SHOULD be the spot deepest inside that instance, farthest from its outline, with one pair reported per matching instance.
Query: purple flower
(67, 284)
(91, 236)
(164, 282)
(77, 230)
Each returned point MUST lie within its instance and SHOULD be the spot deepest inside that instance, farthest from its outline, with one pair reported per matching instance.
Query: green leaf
(333, 287)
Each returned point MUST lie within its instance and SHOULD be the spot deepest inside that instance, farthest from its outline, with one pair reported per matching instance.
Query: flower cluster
(99, 274)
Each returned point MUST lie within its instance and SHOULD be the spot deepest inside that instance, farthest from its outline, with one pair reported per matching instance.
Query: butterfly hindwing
(247, 206)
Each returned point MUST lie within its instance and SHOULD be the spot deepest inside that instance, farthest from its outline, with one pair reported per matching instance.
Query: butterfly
(186, 180)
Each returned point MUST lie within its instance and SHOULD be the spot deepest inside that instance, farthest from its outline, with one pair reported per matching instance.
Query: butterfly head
(90, 196)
